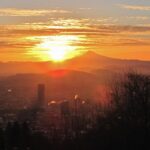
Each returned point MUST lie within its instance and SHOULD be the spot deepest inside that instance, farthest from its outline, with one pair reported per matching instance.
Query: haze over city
(74, 75)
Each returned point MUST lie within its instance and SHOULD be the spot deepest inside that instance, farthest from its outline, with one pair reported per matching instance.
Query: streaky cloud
(135, 7)
(30, 12)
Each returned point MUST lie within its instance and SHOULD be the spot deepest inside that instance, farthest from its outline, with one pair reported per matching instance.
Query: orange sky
(35, 33)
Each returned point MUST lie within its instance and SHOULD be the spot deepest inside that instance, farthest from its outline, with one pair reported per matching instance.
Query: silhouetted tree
(16, 135)
(8, 136)
(2, 141)
(131, 108)
(25, 135)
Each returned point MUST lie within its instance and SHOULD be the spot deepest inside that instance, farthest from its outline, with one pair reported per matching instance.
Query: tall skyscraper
(41, 95)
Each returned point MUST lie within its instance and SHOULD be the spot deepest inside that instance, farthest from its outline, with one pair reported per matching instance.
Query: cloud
(30, 12)
(87, 29)
(85, 8)
(14, 44)
(139, 17)
(92, 35)
(135, 7)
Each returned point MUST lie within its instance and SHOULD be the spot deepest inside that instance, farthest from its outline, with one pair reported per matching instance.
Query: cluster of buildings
(66, 118)
(56, 119)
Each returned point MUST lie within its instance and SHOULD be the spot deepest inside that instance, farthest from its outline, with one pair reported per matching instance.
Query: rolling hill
(89, 62)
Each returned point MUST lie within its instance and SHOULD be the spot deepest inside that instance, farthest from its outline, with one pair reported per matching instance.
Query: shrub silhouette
(124, 125)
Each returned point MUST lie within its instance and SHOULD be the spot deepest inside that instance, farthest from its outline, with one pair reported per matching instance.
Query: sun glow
(57, 48)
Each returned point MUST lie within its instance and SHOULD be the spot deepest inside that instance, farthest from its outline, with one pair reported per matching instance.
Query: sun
(57, 48)
(58, 53)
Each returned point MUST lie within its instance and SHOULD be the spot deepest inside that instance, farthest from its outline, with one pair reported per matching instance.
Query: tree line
(124, 125)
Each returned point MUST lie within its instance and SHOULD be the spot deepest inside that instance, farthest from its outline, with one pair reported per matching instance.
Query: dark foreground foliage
(125, 124)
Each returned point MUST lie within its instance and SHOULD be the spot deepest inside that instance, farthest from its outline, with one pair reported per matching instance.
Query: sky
(34, 30)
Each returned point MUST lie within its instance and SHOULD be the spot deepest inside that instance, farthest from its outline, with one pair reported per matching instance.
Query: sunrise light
(56, 48)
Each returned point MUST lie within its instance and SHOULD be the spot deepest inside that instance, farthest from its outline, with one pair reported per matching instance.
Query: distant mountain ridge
(88, 62)
(60, 84)
(86, 75)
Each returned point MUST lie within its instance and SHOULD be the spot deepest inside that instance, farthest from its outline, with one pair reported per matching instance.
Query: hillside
(88, 62)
